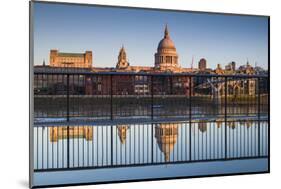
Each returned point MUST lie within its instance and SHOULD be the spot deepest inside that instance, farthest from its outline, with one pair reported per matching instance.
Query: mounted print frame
(121, 94)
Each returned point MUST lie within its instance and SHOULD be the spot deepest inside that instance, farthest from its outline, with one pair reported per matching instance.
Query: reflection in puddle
(142, 144)
(57, 133)
(122, 132)
(166, 135)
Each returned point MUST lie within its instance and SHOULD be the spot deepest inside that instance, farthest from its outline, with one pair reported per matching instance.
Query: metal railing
(93, 120)
(115, 96)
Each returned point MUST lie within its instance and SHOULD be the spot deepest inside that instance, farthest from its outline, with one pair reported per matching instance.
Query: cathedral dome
(166, 42)
(166, 57)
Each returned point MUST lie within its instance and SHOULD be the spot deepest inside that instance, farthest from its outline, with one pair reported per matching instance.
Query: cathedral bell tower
(122, 59)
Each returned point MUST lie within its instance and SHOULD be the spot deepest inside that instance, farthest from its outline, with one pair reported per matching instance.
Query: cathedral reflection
(166, 137)
(232, 124)
(57, 133)
(249, 123)
(202, 126)
(122, 132)
(219, 122)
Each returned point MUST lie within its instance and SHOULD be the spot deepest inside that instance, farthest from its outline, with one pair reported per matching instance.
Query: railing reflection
(76, 147)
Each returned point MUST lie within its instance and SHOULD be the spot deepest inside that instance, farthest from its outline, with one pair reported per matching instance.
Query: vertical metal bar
(125, 146)
(152, 142)
(190, 85)
(147, 144)
(143, 143)
(259, 142)
(121, 151)
(202, 145)
(58, 149)
(116, 145)
(210, 142)
(111, 99)
(240, 141)
(111, 144)
(37, 144)
(67, 117)
(73, 157)
(102, 146)
(130, 143)
(152, 96)
(43, 129)
(88, 150)
(134, 144)
(63, 142)
(237, 141)
(48, 92)
(225, 117)
(67, 97)
(93, 147)
(53, 150)
(97, 145)
(78, 149)
(139, 144)
(47, 147)
(111, 117)
(198, 142)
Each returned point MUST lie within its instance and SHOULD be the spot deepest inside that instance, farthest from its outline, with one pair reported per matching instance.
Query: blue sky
(103, 30)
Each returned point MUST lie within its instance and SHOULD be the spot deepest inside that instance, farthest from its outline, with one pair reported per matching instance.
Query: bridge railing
(96, 120)
(113, 96)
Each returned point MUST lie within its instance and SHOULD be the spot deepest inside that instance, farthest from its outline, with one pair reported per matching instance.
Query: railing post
(111, 98)
(259, 145)
(190, 85)
(152, 96)
(67, 98)
(67, 117)
(225, 117)
(111, 144)
(111, 118)
(152, 142)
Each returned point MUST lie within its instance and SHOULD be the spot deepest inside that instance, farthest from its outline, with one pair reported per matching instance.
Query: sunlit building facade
(71, 60)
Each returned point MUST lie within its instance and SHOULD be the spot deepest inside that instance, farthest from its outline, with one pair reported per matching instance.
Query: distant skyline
(103, 30)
